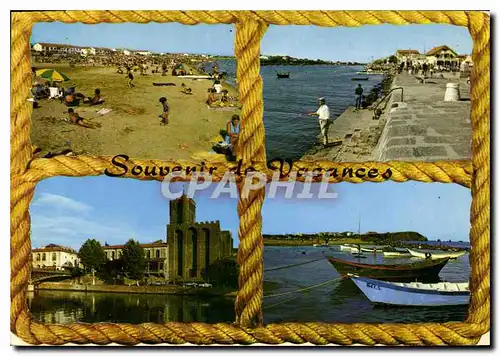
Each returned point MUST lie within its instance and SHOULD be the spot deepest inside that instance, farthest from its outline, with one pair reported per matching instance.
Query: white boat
(370, 71)
(396, 254)
(436, 255)
(347, 247)
(371, 249)
(413, 294)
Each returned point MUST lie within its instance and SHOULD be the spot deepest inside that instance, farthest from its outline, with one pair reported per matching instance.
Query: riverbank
(132, 127)
(168, 289)
(354, 135)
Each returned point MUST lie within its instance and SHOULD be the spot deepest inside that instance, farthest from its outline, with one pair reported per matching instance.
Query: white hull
(413, 294)
(397, 254)
(436, 255)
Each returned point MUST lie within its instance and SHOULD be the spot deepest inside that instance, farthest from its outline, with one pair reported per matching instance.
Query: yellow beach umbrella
(52, 75)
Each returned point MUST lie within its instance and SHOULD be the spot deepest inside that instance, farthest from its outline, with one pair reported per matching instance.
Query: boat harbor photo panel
(346, 94)
(152, 255)
(149, 91)
(375, 253)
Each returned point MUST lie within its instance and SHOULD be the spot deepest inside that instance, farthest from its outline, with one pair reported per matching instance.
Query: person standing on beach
(323, 114)
(130, 79)
(359, 93)
(166, 111)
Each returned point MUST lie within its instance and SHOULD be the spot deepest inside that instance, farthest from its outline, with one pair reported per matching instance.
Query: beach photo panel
(150, 91)
(346, 94)
(28, 168)
(369, 253)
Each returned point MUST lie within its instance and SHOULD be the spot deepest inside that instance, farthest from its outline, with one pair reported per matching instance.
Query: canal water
(290, 133)
(65, 307)
(341, 301)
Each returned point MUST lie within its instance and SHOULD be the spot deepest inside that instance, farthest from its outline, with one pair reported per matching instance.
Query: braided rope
(250, 26)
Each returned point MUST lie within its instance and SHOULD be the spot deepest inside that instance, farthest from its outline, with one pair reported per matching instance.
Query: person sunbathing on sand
(78, 120)
(185, 89)
(96, 100)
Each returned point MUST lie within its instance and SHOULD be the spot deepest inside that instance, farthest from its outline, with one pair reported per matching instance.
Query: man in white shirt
(218, 87)
(323, 114)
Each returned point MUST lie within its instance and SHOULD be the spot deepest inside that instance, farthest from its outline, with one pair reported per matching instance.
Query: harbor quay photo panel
(150, 255)
(348, 94)
(162, 91)
(366, 253)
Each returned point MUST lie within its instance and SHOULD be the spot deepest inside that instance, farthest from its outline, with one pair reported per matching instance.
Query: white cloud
(61, 202)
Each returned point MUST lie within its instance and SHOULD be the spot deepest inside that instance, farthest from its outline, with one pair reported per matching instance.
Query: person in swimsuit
(130, 79)
(186, 89)
(96, 99)
(78, 120)
(233, 132)
(166, 111)
(211, 97)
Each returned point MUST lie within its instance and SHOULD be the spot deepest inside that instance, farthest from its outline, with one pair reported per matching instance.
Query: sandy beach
(132, 127)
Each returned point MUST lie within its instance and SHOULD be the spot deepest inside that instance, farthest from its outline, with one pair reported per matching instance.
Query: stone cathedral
(193, 246)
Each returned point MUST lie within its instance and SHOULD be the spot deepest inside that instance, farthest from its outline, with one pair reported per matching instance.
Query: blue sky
(335, 43)
(68, 211)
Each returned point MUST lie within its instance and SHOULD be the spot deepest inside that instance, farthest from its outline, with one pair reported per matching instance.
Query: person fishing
(359, 93)
(323, 114)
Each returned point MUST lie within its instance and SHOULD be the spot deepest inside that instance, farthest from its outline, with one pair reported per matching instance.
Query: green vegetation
(223, 273)
(334, 238)
(92, 255)
(134, 263)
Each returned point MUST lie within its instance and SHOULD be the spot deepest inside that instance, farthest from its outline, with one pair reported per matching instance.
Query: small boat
(422, 270)
(359, 78)
(358, 255)
(283, 75)
(316, 245)
(371, 250)
(370, 72)
(413, 294)
(396, 254)
(348, 247)
(436, 255)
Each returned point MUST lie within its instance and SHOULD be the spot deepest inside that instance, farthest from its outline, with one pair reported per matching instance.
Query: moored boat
(348, 247)
(283, 75)
(359, 78)
(436, 255)
(413, 294)
(371, 250)
(423, 270)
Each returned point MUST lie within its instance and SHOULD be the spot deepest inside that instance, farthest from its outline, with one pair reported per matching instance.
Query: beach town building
(143, 53)
(54, 257)
(156, 254)
(407, 55)
(443, 56)
(126, 52)
(193, 246)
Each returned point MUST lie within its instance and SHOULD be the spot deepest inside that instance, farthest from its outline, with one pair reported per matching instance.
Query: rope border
(250, 26)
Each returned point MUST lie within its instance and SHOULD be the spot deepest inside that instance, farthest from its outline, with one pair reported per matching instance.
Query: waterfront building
(155, 253)
(407, 55)
(193, 246)
(443, 56)
(54, 257)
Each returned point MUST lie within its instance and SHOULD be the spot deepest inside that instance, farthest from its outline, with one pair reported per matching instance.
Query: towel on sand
(104, 111)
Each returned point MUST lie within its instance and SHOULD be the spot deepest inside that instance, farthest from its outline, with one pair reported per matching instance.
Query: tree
(134, 263)
(393, 59)
(92, 256)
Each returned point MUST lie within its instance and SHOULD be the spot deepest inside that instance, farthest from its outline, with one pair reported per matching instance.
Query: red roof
(438, 49)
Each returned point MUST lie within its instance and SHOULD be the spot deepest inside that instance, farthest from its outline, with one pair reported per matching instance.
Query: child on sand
(185, 89)
(211, 97)
(78, 120)
(166, 111)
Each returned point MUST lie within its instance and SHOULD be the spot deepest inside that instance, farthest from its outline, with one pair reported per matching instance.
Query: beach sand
(132, 127)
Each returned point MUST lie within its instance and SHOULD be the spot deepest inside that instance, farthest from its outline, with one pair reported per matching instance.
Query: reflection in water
(66, 307)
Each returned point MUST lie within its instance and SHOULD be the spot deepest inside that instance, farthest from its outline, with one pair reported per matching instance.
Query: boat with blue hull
(413, 294)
